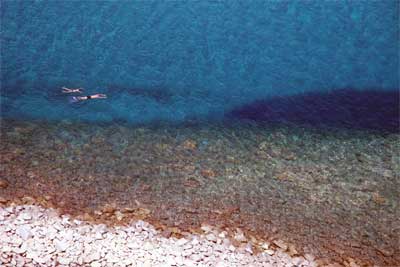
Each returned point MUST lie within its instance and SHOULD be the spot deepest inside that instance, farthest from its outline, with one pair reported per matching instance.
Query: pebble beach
(33, 236)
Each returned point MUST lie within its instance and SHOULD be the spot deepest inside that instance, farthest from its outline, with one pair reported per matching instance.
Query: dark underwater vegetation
(281, 118)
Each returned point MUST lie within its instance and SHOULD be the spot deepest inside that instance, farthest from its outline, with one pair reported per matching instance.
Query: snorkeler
(74, 99)
(68, 90)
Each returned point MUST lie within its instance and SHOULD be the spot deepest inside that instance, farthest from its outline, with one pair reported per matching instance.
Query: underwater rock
(3, 183)
(190, 144)
(386, 251)
(192, 183)
(378, 199)
(109, 208)
(208, 173)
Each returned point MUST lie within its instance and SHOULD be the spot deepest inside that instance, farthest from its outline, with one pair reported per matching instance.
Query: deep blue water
(181, 60)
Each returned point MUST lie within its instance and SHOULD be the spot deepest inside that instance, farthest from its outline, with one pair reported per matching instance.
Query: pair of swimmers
(75, 99)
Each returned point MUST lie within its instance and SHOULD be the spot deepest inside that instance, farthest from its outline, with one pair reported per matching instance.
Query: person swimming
(71, 90)
(75, 99)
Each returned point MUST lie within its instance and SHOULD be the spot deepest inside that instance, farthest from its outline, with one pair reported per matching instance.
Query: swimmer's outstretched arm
(71, 90)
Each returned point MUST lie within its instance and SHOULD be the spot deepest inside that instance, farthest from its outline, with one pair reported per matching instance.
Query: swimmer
(68, 90)
(75, 99)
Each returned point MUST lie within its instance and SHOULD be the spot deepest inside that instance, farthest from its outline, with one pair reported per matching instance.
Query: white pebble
(181, 242)
(60, 245)
(211, 237)
(25, 216)
(64, 260)
(24, 231)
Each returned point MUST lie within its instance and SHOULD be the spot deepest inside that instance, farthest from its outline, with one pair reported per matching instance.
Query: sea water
(183, 60)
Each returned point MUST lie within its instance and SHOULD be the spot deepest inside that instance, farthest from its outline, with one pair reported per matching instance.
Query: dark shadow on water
(345, 108)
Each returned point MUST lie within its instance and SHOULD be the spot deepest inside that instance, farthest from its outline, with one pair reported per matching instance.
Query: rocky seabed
(33, 236)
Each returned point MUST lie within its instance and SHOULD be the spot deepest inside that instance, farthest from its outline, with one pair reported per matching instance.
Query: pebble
(270, 252)
(147, 263)
(25, 216)
(249, 248)
(281, 244)
(211, 237)
(221, 264)
(206, 228)
(119, 215)
(148, 246)
(181, 242)
(24, 231)
(40, 259)
(110, 257)
(64, 260)
(19, 250)
(309, 257)
(60, 245)
(239, 236)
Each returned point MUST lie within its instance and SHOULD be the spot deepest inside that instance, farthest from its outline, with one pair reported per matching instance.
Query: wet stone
(281, 244)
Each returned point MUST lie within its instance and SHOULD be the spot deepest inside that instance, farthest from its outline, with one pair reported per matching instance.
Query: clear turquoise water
(182, 60)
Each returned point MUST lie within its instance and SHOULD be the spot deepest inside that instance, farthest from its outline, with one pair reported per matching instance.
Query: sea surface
(181, 60)
(277, 117)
